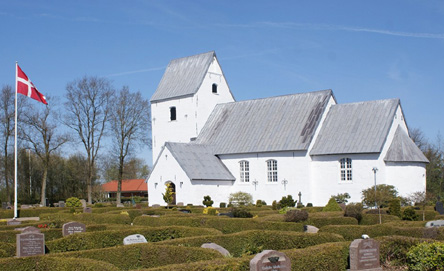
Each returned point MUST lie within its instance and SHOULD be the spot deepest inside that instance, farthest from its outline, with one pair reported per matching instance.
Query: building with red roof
(132, 187)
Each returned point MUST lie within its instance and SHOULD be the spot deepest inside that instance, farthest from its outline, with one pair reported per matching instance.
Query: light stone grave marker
(270, 260)
(310, 229)
(62, 204)
(364, 255)
(83, 203)
(73, 227)
(134, 239)
(30, 244)
(434, 223)
(13, 222)
(216, 247)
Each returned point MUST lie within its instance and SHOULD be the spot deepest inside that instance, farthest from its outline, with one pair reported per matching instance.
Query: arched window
(214, 88)
(272, 171)
(173, 113)
(346, 169)
(244, 171)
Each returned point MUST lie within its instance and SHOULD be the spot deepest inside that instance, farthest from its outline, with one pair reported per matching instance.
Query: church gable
(403, 149)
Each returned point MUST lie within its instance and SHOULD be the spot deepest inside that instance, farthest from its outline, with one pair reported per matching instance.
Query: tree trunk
(6, 172)
(119, 182)
(43, 194)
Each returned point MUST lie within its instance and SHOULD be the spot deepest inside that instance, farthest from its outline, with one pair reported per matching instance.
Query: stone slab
(62, 204)
(30, 229)
(216, 247)
(73, 227)
(30, 244)
(270, 260)
(310, 229)
(364, 255)
(83, 203)
(434, 223)
(13, 222)
(134, 239)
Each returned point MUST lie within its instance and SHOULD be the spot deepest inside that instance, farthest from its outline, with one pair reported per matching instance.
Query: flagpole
(15, 145)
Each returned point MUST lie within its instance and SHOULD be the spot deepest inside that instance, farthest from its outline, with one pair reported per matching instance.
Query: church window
(346, 169)
(214, 88)
(272, 171)
(244, 171)
(173, 113)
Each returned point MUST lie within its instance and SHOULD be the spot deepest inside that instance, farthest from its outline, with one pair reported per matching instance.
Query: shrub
(241, 213)
(394, 249)
(222, 205)
(384, 193)
(354, 210)
(260, 203)
(341, 198)
(426, 257)
(309, 204)
(275, 205)
(210, 211)
(395, 207)
(409, 214)
(240, 199)
(73, 202)
(287, 201)
(331, 206)
(207, 201)
(296, 216)
(54, 263)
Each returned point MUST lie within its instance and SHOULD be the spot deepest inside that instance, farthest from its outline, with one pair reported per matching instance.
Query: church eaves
(183, 76)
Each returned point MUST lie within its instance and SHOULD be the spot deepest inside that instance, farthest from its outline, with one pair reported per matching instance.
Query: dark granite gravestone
(73, 227)
(270, 260)
(61, 204)
(226, 214)
(87, 210)
(364, 255)
(30, 244)
(134, 239)
(439, 208)
(434, 223)
(186, 211)
(216, 247)
(13, 222)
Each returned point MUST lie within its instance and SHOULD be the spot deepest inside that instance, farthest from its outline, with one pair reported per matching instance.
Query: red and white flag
(26, 87)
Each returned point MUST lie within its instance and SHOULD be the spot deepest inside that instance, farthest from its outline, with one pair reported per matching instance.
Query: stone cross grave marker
(270, 260)
(30, 244)
(134, 239)
(364, 255)
(73, 227)
(216, 247)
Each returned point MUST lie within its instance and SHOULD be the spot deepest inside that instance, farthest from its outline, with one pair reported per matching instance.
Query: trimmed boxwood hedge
(110, 238)
(257, 240)
(326, 257)
(88, 218)
(7, 250)
(44, 263)
(31, 212)
(351, 232)
(373, 219)
(144, 255)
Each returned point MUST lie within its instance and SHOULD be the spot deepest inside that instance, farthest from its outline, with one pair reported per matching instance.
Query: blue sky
(362, 50)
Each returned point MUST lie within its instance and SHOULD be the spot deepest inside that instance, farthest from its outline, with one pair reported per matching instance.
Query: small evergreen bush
(275, 205)
(395, 207)
(222, 205)
(207, 201)
(332, 206)
(409, 214)
(287, 201)
(426, 256)
(73, 202)
(241, 213)
(296, 216)
(309, 204)
(354, 210)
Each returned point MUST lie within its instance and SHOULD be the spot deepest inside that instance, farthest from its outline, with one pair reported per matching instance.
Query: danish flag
(26, 87)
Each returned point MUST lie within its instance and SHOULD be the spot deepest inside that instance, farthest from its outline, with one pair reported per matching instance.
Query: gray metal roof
(273, 124)
(403, 149)
(355, 128)
(199, 162)
(183, 76)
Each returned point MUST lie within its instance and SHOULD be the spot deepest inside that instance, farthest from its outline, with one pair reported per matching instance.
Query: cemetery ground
(146, 238)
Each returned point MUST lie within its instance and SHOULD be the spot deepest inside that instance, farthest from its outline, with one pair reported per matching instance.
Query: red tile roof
(127, 185)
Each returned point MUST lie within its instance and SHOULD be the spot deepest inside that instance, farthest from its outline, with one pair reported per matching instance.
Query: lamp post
(375, 169)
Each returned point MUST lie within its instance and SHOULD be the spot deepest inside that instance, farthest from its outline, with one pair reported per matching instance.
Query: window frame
(346, 169)
(244, 171)
(272, 171)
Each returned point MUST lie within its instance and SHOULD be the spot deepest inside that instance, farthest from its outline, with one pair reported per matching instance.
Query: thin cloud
(137, 71)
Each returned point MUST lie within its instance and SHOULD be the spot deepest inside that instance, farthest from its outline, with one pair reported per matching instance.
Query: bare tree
(130, 123)
(40, 130)
(7, 126)
(87, 109)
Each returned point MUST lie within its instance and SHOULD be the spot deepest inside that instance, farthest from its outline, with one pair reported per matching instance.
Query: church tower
(188, 92)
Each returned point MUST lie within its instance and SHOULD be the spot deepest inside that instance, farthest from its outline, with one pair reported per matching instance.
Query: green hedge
(110, 238)
(318, 221)
(88, 218)
(224, 224)
(373, 219)
(326, 257)
(144, 255)
(254, 241)
(44, 263)
(351, 232)
(31, 212)
(7, 250)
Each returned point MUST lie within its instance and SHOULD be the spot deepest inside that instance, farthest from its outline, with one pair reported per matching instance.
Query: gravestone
(73, 227)
(226, 214)
(439, 208)
(13, 222)
(134, 239)
(30, 229)
(185, 211)
(310, 229)
(87, 210)
(270, 260)
(364, 255)
(434, 223)
(120, 205)
(180, 204)
(155, 206)
(61, 204)
(83, 203)
(25, 206)
(216, 247)
(30, 244)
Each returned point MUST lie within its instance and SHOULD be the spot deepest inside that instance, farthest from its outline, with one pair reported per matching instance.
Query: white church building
(206, 143)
